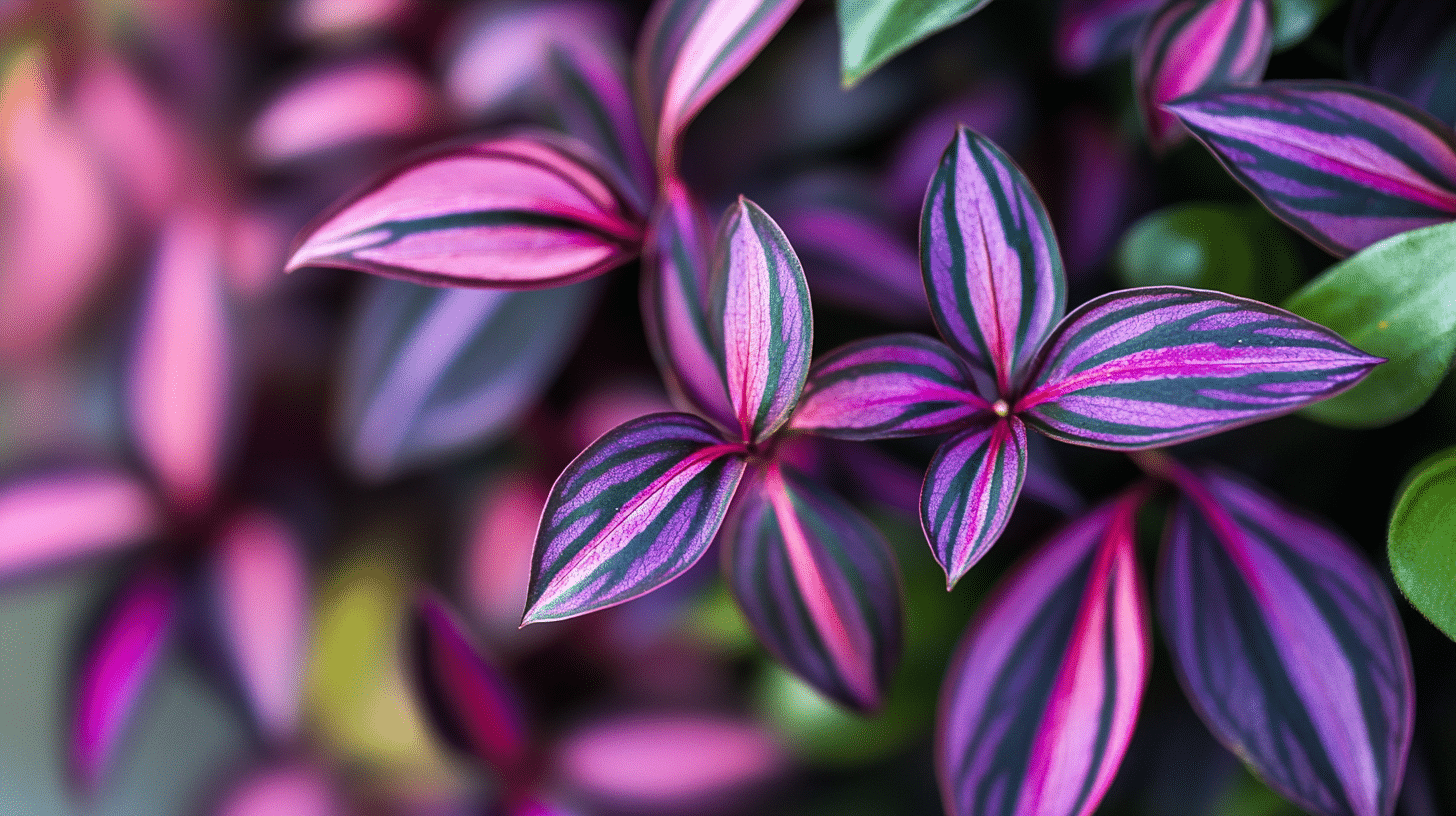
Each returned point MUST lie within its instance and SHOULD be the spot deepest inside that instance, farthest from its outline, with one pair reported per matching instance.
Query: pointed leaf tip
(970, 491)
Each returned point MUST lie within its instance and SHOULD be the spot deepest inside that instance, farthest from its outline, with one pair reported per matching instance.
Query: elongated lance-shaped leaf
(1190, 45)
(676, 301)
(1289, 646)
(1043, 692)
(873, 31)
(1343, 164)
(468, 701)
(990, 261)
(431, 372)
(969, 492)
(515, 212)
(818, 585)
(761, 303)
(630, 514)
(1091, 32)
(689, 50)
(1147, 367)
(884, 387)
(55, 517)
(593, 99)
(116, 667)
(1406, 47)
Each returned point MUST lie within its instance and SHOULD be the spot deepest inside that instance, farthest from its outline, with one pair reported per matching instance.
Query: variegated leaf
(818, 585)
(1148, 367)
(594, 101)
(1091, 32)
(514, 212)
(468, 701)
(116, 667)
(761, 304)
(1343, 164)
(1289, 645)
(884, 387)
(429, 372)
(676, 300)
(990, 261)
(970, 490)
(1192, 45)
(689, 50)
(1041, 697)
(630, 514)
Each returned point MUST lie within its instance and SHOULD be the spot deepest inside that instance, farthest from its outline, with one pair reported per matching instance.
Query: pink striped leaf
(884, 387)
(1193, 45)
(514, 212)
(818, 585)
(990, 261)
(762, 300)
(594, 101)
(969, 492)
(468, 700)
(1343, 164)
(689, 50)
(1092, 32)
(1406, 47)
(1154, 366)
(631, 513)
(676, 299)
(1041, 697)
(55, 517)
(115, 670)
(1289, 646)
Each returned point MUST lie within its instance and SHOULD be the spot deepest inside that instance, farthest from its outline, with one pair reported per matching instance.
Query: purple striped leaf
(884, 387)
(676, 267)
(1143, 368)
(1343, 164)
(514, 212)
(467, 699)
(990, 260)
(115, 669)
(1406, 47)
(818, 585)
(689, 50)
(1289, 646)
(969, 492)
(1092, 32)
(1192, 45)
(630, 514)
(762, 300)
(594, 101)
(1041, 697)
(56, 517)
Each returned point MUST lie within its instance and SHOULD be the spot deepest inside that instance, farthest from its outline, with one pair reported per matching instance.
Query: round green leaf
(1395, 299)
(1230, 248)
(1423, 540)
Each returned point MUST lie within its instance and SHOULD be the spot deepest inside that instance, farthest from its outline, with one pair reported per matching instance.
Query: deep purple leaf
(1091, 32)
(762, 300)
(1191, 45)
(514, 212)
(55, 517)
(970, 490)
(1148, 367)
(689, 50)
(884, 387)
(630, 514)
(1289, 645)
(854, 259)
(1343, 164)
(676, 301)
(1408, 48)
(467, 699)
(818, 585)
(1104, 184)
(990, 260)
(115, 669)
(1041, 697)
(594, 101)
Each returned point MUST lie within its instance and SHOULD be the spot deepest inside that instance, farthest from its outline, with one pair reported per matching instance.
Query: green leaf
(873, 31)
(1423, 540)
(1392, 299)
(1229, 248)
(1295, 20)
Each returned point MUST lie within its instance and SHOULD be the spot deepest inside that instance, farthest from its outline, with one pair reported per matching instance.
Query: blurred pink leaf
(59, 516)
(497, 569)
(260, 584)
(338, 18)
(377, 98)
(293, 789)
(181, 367)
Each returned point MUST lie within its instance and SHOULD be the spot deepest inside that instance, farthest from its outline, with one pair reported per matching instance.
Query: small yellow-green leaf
(1395, 299)
(873, 31)
(1423, 540)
